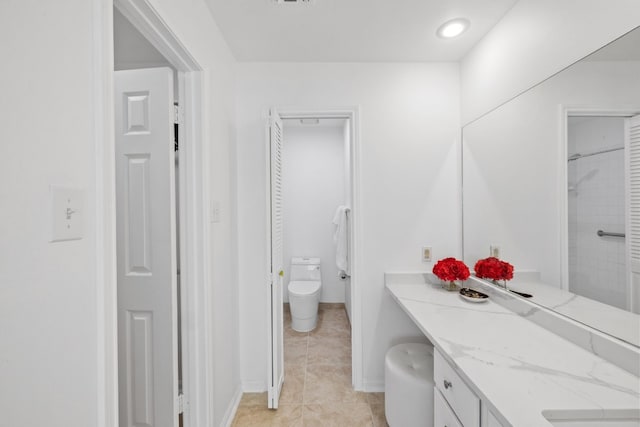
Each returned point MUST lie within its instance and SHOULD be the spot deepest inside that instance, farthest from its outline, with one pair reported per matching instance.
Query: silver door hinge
(181, 403)
(177, 114)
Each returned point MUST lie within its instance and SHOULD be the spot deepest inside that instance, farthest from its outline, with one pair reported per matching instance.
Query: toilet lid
(304, 287)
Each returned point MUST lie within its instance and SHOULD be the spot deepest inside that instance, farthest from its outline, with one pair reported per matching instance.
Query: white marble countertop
(517, 367)
(608, 319)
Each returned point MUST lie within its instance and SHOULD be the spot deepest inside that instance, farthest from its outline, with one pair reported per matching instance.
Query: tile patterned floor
(317, 389)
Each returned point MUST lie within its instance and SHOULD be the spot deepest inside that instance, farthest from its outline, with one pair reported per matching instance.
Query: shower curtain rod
(579, 156)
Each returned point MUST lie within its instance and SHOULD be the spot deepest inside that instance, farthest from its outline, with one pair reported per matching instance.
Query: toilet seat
(304, 287)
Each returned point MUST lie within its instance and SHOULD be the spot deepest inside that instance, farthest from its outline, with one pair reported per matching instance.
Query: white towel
(341, 238)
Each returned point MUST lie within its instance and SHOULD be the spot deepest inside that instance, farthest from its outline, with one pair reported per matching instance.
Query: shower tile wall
(596, 202)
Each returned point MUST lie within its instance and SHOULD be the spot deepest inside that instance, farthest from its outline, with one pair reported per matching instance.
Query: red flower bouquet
(450, 269)
(494, 269)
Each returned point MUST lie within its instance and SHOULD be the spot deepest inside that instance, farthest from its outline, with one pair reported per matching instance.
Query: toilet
(304, 288)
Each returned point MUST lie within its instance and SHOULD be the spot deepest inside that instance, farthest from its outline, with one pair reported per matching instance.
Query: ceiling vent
(294, 1)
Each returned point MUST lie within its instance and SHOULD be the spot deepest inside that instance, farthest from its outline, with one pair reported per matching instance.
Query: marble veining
(611, 320)
(570, 299)
(615, 350)
(518, 368)
(448, 307)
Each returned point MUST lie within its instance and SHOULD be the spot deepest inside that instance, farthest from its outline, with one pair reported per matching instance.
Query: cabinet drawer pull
(447, 384)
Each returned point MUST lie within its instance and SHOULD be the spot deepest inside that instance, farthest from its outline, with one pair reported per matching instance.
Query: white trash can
(408, 384)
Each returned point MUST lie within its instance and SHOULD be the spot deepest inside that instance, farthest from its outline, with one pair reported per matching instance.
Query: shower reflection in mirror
(596, 202)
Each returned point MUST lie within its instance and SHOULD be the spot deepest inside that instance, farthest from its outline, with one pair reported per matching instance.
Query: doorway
(151, 44)
(601, 187)
(596, 193)
(318, 196)
(147, 224)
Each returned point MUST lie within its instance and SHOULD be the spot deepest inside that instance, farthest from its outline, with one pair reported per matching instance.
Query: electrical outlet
(426, 254)
(494, 251)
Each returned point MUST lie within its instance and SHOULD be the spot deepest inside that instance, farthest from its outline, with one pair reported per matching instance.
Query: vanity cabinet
(455, 404)
(472, 375)
(443, 416)
(488, 419)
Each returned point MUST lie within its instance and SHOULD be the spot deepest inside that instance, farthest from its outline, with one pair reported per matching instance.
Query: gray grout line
(373, 423)
(368, 396)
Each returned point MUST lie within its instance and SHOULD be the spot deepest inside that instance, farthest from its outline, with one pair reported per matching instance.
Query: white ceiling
(352, 30)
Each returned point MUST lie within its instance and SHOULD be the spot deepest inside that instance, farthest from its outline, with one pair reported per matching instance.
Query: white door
(276, 350)
(147, 299)
(632, 150)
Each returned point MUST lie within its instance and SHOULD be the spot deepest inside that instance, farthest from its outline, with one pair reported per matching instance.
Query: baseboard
(323, 304)
(331, 305)
(373, 386)
(230, 413)
(253, 387)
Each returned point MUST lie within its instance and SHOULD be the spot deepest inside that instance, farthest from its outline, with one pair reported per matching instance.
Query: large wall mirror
(546, 182)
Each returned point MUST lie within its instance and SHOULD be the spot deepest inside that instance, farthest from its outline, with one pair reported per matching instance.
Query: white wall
(514, 182)
(348, 185)
(49, 304)
(409, 187)
(534, 40)
(597, 202)
(48, 360)
(132, 51)
(313, 181)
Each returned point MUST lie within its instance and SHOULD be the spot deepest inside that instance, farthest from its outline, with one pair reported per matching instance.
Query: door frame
(352, 114)
(194, 200)
(567, 111)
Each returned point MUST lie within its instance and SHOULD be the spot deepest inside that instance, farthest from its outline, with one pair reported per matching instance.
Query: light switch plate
(215, 211)
(67, 216)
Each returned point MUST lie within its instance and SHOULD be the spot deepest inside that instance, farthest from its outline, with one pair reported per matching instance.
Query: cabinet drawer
(462, 400)
(443, 416)
(492, 421)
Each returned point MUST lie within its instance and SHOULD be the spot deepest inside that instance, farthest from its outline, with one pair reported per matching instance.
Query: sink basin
(592, 418)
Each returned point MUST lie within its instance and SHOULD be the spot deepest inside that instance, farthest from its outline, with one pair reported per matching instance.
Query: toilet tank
(303, 268)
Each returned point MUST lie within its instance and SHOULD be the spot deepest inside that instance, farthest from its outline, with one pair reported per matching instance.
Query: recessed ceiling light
(453, 28)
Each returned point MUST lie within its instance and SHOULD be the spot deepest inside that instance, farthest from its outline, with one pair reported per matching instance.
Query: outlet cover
(426, 254)
(494, 251)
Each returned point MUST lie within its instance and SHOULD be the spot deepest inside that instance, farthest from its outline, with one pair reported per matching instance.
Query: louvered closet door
(633, 210)
(276, 377)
